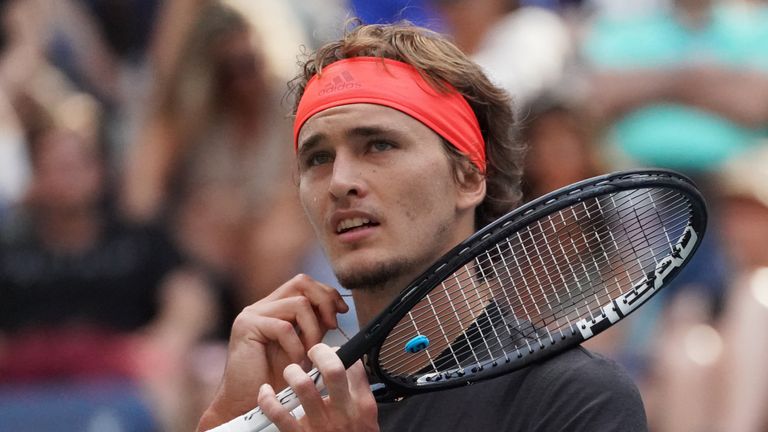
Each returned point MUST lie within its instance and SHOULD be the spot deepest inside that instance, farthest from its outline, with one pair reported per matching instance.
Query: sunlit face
(379, 190)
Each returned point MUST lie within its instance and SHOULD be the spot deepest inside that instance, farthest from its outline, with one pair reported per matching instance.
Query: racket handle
(255, 420)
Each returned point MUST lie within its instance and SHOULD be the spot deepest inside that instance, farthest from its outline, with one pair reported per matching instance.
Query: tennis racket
(540, 280)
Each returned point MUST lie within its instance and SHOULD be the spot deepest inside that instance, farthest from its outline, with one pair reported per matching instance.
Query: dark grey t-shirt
(575, 391)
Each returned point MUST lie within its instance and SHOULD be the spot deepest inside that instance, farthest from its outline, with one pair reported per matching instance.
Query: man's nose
(347, 178)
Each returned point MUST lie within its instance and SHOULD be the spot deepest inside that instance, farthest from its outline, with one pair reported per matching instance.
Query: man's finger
(334, 375)
(275, 412)
(305, 389)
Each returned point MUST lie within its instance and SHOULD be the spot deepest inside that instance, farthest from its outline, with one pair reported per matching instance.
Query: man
(404, 149)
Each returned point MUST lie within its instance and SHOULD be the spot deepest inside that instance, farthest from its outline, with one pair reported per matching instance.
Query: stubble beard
(387, 275)
(379, 278)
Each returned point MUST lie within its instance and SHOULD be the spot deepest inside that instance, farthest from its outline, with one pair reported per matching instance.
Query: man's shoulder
(575, 390)
(580, 364)
(582, 390)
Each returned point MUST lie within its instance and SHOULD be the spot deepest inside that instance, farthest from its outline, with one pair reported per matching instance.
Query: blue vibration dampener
(416, 344)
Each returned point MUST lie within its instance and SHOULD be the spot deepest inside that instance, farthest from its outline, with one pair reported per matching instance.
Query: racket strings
(521, 338)
(601, 281)
(576, 247)
(605, 259)
(535, 298)
(458, 286)
(517, 336)
(588, 262)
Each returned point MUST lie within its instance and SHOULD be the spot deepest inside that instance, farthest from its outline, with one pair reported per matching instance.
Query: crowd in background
(148, 191)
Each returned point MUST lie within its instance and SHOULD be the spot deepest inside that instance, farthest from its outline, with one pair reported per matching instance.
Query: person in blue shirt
(684, 87)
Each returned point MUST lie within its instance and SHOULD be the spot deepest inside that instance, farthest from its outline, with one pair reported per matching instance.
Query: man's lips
(350, 221)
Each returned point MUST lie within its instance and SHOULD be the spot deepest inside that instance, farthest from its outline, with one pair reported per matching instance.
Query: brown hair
(440, 61)
(188, 97)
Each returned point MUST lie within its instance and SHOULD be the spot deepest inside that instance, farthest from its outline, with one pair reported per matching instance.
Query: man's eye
(381, 146)
(319, 158)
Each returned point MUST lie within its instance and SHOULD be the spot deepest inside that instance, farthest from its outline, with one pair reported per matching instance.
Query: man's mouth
(351, 224)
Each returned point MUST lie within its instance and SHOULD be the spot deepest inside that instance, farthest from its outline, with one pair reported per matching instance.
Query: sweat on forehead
(399, 86)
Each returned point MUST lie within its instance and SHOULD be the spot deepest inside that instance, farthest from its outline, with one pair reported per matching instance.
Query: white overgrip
(255, 420)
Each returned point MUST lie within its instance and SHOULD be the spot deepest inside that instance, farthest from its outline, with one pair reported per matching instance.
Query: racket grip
(255, 420)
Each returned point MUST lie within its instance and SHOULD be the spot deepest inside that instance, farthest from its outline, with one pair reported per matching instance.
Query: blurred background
(147, 191)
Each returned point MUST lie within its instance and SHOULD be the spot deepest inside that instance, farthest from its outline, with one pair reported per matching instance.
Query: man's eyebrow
(310, 142)
(359, 131)
(365, 131)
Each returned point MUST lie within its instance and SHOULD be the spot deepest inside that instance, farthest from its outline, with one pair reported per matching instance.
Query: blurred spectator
(214, 160)
(561, 147)
(279, 30)
(684, 87)
(39, 35)
(126, 30)
(100, 46)
(720, 359)
(524, 49)
(86, 297)
(562, 151)
(744, 395)
(60, 32)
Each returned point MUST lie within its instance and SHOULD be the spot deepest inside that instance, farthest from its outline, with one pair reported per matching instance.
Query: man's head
(441, 62)
(389, 187)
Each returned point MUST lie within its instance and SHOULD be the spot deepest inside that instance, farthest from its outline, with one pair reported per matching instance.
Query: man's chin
(371, 276)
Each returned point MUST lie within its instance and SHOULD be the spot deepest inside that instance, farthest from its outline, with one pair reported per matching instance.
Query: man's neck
(369, 304)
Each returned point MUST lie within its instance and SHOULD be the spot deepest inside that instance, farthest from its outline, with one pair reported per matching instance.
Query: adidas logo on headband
(343, 81)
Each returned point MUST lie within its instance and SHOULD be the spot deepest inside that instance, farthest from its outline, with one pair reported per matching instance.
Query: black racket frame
(368, 341)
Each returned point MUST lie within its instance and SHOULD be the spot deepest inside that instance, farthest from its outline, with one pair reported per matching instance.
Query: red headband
(396, 85)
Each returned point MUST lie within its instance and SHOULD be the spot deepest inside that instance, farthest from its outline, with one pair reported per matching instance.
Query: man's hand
(267, 336)
(349, 405)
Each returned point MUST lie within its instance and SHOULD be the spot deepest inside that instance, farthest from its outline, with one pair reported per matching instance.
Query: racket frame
(368, 341)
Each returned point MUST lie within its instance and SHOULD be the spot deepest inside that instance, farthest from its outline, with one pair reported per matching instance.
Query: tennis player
(404, 149)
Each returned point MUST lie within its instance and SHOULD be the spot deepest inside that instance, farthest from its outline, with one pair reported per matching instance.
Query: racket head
(540, 280)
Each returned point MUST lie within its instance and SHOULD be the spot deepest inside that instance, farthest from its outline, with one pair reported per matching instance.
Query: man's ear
(470, 187)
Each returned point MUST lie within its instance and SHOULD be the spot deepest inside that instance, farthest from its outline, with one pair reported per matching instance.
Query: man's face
(380, 192)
